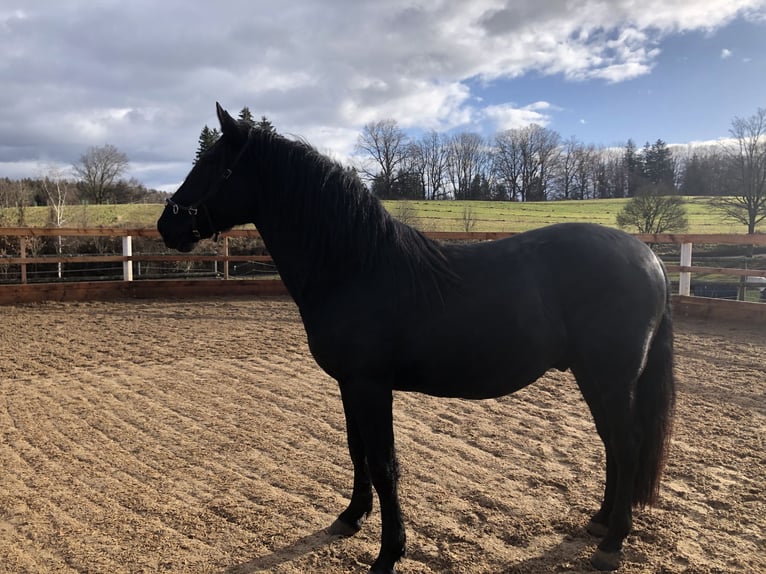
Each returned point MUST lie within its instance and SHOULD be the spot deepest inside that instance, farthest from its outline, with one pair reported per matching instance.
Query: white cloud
(726, 53)
(144, 76)
(508, 116)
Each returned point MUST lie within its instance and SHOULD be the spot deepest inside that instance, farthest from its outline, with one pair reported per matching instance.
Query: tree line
(97, 178)
(532, 163)
(535, 163)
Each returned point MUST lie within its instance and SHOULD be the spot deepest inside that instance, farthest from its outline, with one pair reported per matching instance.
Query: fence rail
(17, 253)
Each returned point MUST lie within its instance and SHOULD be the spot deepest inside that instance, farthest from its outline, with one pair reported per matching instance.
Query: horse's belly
(469, 382)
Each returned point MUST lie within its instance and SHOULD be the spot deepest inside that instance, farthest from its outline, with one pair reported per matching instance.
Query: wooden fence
(17, 257)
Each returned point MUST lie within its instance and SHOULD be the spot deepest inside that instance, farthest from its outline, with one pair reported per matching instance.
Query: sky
(144, 75)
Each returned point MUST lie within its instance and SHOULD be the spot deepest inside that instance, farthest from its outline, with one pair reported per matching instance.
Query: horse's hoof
(340, 528)
(605, 561)
(596, 529)
(390, 571)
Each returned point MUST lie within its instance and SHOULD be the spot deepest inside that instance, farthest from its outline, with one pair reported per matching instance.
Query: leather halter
(194, 209)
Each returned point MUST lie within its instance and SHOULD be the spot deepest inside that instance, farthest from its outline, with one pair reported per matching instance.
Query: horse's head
(211, 198)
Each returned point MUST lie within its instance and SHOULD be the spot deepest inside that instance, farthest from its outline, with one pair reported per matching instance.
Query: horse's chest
(351, 349)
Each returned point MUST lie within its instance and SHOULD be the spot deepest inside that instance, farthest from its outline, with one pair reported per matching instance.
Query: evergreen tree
(705, 174)
(479, 188)
(658, 164)
(206, 139)
(247, 117)
(266, 125)
(633, 168)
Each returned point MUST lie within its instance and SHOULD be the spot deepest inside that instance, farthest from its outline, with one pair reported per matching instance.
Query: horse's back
(571, 265)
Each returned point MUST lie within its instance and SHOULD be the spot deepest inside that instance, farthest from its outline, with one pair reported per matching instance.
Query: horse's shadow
(571, 555)
(296, 549)
(571, 550)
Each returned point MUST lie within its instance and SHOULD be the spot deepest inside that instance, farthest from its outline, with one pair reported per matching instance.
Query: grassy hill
(425, 215)
(512, 216)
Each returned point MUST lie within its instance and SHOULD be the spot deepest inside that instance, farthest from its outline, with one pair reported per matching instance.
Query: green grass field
(425, 215)
(512, 216)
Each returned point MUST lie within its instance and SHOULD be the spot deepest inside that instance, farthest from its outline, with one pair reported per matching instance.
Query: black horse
(386, 309)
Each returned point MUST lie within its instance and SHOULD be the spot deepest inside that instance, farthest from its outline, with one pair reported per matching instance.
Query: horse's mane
(345, 227)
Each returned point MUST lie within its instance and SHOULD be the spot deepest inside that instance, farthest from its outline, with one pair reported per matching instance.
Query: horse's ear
(228, 124)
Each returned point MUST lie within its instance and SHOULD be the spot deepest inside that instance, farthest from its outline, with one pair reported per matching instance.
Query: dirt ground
(199, 436)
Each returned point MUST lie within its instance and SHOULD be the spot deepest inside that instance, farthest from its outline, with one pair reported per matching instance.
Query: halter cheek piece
(198, 206)
(194, 209)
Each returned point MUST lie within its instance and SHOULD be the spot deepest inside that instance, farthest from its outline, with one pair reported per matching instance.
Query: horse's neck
(302, 248)
(326, 237)
(292, 261)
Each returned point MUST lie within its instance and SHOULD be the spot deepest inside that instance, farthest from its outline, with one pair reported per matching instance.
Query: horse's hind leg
(599, 522)
(350, 520)
(611, 411)
(625, 444)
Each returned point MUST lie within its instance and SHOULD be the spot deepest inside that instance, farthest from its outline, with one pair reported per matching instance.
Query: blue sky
(698, 83)
(145, 76)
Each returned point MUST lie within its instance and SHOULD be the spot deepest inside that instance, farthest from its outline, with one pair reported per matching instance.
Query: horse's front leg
(350, 520)
(370, 406)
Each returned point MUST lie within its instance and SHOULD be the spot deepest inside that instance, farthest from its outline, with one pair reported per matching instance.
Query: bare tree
(546, 151)
(567, 166)
(506, 163)
(526, 161)
(386, 145)
(585, 172)
(404, 212)
(98, 170)
(746, 158)
(429, 161)
(56, 189)
(654, 210)
(467, 160)
(468, 220)
(14, 194)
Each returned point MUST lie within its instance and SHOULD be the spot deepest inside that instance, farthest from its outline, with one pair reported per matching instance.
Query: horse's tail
(655, 407)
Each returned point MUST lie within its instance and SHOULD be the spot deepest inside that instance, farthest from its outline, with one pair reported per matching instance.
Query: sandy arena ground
(199, 436)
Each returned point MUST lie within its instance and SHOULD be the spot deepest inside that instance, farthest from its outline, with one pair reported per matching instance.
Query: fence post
(685, 277)
(127, 251)
(23, 254)
(225, 257)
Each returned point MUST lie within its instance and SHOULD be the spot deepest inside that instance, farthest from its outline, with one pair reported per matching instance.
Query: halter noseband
(195, 207)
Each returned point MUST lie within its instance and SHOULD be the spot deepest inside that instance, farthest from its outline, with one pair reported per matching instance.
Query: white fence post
(685, 278)
(225, 257)
(127, 251)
